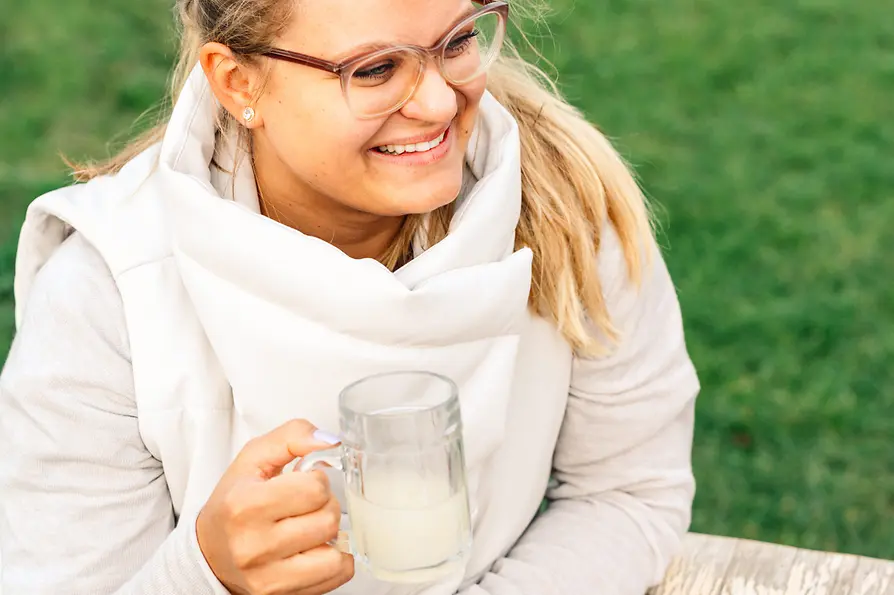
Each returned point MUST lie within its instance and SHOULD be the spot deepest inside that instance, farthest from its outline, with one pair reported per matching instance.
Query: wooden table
(724, 566)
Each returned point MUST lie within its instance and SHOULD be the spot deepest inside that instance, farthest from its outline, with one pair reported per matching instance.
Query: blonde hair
(574, 183)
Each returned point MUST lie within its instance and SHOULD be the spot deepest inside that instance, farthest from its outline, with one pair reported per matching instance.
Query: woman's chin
(415, 206)
(424, 198)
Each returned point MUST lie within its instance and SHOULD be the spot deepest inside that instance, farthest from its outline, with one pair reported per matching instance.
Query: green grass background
(763, 129)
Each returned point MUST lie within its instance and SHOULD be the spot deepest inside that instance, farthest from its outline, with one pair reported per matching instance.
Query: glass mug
(405, 478)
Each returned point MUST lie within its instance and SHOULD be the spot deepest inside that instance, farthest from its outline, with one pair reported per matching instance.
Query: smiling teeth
(417, 148)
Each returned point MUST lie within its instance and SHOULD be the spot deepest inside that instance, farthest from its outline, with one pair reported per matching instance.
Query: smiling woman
(343, 188)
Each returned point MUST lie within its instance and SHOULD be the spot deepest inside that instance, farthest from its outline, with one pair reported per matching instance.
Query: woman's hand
(264, 532)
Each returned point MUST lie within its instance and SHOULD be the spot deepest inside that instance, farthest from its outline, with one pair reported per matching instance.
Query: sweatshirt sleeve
(622, 500)
(84, 507)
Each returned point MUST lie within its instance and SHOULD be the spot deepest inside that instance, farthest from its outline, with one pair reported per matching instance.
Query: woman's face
(308, 132)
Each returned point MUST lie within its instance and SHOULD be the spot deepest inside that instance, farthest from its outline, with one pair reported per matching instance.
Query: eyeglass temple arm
(304, 59)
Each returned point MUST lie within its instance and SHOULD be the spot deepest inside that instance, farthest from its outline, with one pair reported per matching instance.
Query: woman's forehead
(329, 28)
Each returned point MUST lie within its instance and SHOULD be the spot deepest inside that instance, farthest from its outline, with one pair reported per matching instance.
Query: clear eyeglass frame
(346, 69)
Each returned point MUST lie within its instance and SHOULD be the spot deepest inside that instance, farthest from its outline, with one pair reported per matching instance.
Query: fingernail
(327, 437)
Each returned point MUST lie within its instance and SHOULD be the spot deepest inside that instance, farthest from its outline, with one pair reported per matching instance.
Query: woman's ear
(232, 82)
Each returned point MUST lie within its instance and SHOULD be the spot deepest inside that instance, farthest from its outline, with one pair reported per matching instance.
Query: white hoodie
(234, 324)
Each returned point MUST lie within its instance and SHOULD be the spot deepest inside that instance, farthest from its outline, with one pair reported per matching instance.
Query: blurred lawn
(764, 130)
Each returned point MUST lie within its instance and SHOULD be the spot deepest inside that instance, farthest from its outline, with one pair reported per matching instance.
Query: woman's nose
(434, 100)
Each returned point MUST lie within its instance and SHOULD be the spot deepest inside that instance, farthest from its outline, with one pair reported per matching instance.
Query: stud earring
(248, 114)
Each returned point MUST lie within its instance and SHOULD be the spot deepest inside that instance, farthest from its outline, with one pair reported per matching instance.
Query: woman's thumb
(272, 451)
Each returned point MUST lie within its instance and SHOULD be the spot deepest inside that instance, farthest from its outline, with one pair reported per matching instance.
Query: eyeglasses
(380, 82)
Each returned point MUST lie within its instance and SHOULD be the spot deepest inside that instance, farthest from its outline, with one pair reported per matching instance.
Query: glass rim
(452, 392)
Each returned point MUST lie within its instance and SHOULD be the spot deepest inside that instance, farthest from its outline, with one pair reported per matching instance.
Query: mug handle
(331, 457)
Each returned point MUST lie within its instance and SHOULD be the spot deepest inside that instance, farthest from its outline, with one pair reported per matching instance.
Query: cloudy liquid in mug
(409, 529)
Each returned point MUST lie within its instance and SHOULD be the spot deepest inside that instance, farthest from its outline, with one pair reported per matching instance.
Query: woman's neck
(291, 203)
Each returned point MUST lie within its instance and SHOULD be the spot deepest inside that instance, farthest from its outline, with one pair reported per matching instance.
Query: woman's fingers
(266, 455)
(314, 572)
(258, 520)
(293, 494)
(346, 574)
(294, 535)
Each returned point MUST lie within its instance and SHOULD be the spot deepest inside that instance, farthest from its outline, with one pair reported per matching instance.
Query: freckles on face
(310, 126)
(472, 94)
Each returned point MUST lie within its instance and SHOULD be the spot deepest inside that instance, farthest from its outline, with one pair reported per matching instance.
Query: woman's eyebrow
(373, 46)
(365, 48)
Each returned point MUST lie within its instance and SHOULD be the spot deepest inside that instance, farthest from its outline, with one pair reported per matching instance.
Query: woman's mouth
(414, 148)
(422, 153)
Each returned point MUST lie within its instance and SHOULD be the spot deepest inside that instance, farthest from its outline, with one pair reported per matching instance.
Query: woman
(329, 200)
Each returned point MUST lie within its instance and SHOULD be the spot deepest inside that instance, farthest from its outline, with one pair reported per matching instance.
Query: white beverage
(408, 529)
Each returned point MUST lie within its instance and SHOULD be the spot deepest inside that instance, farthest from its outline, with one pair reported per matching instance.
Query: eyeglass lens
(384, 81)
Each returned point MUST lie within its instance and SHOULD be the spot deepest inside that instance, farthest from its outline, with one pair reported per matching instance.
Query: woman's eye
(377, 71)
(461, 42)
